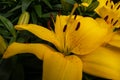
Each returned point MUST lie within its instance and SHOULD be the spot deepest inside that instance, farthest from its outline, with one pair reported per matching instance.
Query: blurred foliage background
(27, 66)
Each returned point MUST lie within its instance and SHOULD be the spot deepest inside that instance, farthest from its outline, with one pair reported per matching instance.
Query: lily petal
(103, 62)
(39, 31)
(40, 50)
(109, 11)
(55, 65)
(115, 41)
(109, 4)
(88, 37)
(58, 67)
(101, 4)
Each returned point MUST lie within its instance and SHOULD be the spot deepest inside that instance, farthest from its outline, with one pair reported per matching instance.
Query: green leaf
(33, 17)
(8, 25)
(15, 8)
(92, 6)
(47, 15)
(26, 4)
(7, 14)
(38, 10)
(47, 3)
(67, 4)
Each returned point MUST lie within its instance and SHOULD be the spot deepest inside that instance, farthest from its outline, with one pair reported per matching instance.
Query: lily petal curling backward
(55, 65)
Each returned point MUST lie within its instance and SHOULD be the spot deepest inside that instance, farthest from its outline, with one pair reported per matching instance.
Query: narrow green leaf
(8, 25)
(67, 4)
(46, 15)
(15, 8)
(92, 6)
(38, 10)
(26, 4)
(47, 3)
(7, 14)
(33, 17)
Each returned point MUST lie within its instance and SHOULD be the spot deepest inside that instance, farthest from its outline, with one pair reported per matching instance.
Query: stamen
(115, 22)
(111, 6)
(78, 26)
(65, 27)
(118, 7)
(75, 17)
(73, 10)
(106, 3)
(111, 20)
(106, 17)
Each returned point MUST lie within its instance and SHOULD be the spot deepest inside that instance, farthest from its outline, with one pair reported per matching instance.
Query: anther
(75, 17)
(65, 27)
(78, 26)
(111, 20)
(111, 6)
(118, 7)
(115, 22)
(106, 17)
(106, 3)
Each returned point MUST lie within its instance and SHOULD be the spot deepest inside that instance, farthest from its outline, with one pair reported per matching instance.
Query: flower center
(66, 49)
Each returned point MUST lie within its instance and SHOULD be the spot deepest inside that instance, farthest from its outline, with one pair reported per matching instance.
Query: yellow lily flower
(75, 37)
(110, 12)
(107, 56)
(84, 37)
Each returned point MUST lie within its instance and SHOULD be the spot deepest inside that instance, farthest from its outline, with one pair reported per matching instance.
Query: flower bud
(24, 18)
(2, 45)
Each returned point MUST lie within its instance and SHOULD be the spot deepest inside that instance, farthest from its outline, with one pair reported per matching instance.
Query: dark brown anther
(65, 27)
(118, 7)
(106, 3)
(115, 22)
(110, 0)
(48, 25)
(111, 20)
(111, 6)
(106, 17)
(78, 26)
(75, 17)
